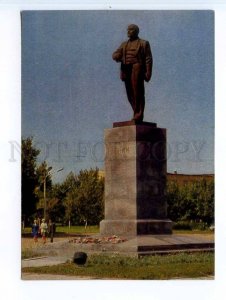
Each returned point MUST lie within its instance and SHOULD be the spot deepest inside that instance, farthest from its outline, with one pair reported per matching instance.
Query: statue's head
(132, 31)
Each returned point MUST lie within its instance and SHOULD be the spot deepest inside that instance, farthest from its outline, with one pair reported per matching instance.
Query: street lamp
(45, 176)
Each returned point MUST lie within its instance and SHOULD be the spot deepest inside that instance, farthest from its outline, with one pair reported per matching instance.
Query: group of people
(41, 228)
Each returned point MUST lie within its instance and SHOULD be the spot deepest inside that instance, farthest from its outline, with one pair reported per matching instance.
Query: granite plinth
(135, 180)
(136, 227)
(133, 122)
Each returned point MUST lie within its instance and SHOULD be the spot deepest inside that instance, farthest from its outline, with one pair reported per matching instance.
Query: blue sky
(71, 89)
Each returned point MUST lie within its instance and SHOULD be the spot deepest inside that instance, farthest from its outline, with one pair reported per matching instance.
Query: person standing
(52, 230)
(44, 230)
(136, 67)
(35, 230)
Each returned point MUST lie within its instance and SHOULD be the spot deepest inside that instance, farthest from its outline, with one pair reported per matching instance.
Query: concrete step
(167, 252)
(143, 248)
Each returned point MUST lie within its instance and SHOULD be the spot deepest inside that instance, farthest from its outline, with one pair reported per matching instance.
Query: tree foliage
(44, 177)
(191, 202)
(84, 198)
(29, 177)
(89, 200)
(78, 198)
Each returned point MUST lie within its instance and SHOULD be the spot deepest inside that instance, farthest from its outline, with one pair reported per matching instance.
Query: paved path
(34, 276)
(65, 250)
(43, 261)
(132, 246)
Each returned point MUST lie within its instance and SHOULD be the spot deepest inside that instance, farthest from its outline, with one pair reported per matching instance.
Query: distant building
(182, 179)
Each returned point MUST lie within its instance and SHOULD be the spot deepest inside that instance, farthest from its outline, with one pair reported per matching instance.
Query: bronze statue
(136, 66)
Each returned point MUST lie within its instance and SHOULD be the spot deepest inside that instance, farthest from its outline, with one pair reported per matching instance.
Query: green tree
(174, 199)
(45, 183)
(205, 201)
(89, 199)
(57, 212)
(191, 202)
(70, 207)
(29, 177)
(70, 188)
(84, 197)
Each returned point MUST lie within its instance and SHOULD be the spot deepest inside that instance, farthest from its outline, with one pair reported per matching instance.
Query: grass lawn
(78, 229)
(72, 230)
(151, 267)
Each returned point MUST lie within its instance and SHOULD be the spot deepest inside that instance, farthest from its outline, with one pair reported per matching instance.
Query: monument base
(135, 180)
(135, 227)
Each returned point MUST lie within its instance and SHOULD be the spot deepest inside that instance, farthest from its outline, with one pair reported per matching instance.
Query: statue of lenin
(136, 67)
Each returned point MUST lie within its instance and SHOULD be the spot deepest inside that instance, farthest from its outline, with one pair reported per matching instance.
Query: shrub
(191, 202)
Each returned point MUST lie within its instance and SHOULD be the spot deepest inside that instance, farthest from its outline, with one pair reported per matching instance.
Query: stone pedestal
(135, 180)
